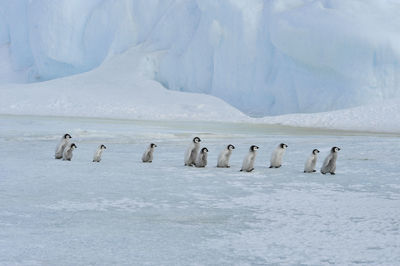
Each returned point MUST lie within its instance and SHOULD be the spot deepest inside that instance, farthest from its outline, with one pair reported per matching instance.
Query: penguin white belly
(147, 156)
(191, 154)
(310, 164)
(248, 163)
(60, 148)
(223, 159)
(97, 156)
(276, 158)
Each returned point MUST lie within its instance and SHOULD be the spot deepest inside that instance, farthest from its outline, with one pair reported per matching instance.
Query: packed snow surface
(263, 57)
(124, 212)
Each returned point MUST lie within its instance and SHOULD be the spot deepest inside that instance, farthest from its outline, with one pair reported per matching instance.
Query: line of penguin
(197, 157)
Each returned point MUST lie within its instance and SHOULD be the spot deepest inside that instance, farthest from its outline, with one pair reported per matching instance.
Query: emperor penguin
(329, 165)
(148, 153)
(223, 158)
(201, 160)
(98, 153)
(277, 155)
(309, 166)
(192, 151)
(248, 162)
(61, 146)
(67, 154)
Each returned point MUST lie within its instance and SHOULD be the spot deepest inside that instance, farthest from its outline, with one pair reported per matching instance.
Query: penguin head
(67, 136)
(315, 151)
(196, 140)
(152, 145)
(335, 149)
(103, 147)
(204, 150)
(230, 147)
(253, 148)
(283, 146)
(73, 146)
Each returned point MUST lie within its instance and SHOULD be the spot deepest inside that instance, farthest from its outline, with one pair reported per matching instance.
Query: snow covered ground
(124, 212)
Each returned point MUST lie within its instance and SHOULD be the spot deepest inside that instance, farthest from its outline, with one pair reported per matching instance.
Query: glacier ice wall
(264, 57)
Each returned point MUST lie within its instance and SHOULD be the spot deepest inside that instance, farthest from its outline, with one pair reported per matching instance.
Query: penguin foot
(241, 170)
(314, 171)
(251, 169)
(332, 173)
(271, 166)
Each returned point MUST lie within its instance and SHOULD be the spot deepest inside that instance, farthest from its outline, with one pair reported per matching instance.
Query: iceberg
(262, 57)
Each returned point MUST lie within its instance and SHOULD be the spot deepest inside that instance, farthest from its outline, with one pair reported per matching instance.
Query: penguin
(61, 146)
(248, 162)
(201, 160)
(309, 166)
(67, 154)
(277, 154)
(148, 153)
(223, 158)
(329, 165)
(98, 153)
(192, 151)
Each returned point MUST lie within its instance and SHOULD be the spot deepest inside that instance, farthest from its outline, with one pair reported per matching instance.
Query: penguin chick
(148, 153)
(329, 165)
(201, 160)
(223, 158)
(67, 154)
(248, 162)
(192, 151)
(98, 153)
(277, 155)
(309, 166)
(61, 146)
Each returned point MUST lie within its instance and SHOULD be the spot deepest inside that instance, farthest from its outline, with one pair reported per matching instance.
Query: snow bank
(263, 57)
(380, 117)
(123, 87)
(120, 88)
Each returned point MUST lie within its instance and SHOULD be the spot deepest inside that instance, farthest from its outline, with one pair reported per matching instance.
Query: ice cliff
(263, 57)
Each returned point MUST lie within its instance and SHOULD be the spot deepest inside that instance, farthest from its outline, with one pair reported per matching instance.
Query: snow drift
(120, 88)
(263, 57)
